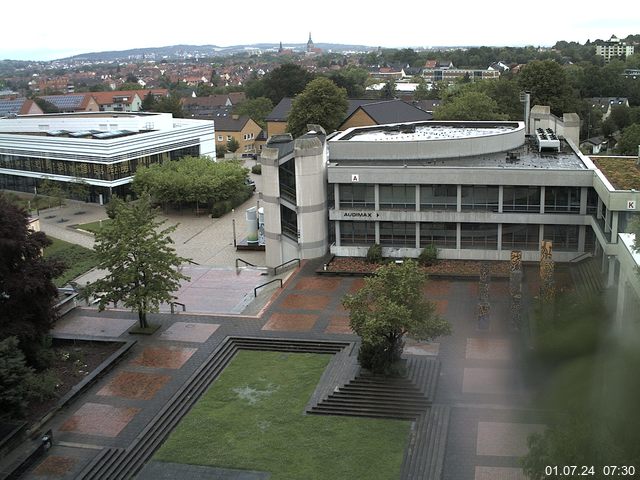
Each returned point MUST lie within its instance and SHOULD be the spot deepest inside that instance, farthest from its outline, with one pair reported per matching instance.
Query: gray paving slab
(177, 471)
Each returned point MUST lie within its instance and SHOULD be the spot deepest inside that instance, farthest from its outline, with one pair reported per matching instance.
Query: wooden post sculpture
(515, 289)
(483, 300)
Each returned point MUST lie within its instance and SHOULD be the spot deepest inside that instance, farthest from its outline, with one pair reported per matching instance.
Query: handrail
(255, 290)
(245, 262)
(173, 304)
(275, 270)
(580, 257)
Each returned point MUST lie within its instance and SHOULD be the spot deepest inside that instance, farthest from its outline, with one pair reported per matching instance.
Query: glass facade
(357, 196)
(398, 234)
(442, 235)
(564, 237)
(517, 236)
(479, 236)
(398, 197)
(438, 197)
(480, 197)
(562, 200)
(357, 233)
(521, 199)
(287, 174)
(289, 222)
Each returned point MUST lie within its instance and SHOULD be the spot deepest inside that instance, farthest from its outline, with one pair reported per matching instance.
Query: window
(220, 138)
(438, 197)
(520, 237)
(357, 196)
(357, 233)
(480, 197)
(482, 236)
(229, 137)
(287, 173)
(564, 237)
(442, 235)
(521, 199)
(289, 222)
(398, 234)
(398, 197)
(562, 200)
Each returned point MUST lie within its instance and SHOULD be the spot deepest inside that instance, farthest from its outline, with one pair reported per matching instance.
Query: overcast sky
(45, 30)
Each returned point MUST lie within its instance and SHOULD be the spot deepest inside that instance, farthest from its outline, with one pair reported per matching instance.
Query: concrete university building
(103, 149)
(476, 190)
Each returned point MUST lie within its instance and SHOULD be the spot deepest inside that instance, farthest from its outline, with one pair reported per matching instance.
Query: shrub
(218, 209)
(14, 379)
(257, 169)
(374, 254)
(428, 256)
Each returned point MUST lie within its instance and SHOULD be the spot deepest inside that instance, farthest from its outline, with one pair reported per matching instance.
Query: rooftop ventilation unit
(547, 140)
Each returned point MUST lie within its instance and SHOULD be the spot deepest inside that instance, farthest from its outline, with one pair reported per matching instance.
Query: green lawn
(252, 418)
(94, 227)
(78, 259)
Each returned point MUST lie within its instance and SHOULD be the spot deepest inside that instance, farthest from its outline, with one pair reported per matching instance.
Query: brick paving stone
(99, 419)
(339, 324)
(356, 285)
(504, 439)
(54, 465)
(163, 357)
(134, 385)
(305, 302)
(94, 326)
(488, 349)
(189, 332)
(412, 347)
(489, 380)
(499, 473)
(441, 306)
(437, 288)
(318, 283)
(291, 322)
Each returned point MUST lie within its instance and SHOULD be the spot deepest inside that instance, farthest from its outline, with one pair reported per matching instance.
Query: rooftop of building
(622, 172)
(426, 131)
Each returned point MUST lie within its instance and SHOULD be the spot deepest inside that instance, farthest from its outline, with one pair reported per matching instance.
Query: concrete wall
(359, 118)
(567, 127)
(270, 201)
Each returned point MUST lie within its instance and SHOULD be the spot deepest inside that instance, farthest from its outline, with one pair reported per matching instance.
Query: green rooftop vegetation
(623, 173)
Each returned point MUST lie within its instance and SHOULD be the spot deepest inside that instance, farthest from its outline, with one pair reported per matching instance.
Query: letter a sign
(355, 177)
(631, 204)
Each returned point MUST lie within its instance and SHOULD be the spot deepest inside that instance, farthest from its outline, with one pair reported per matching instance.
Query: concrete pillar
(337, 227)
(612, 271)
(378, 232)
(459, 199)
(499, 237)
(584, 192)
(599, 209)
(376, 190)
(607, 222)
(540, 236)
(336, 196)
(500, 198)
(582, 235)
(417, 234)
(417, 198)
(458, 233)
(543, 192)
(614, 227)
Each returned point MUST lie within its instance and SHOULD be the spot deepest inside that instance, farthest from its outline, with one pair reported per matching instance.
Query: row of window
(473, 197)
(483, 236)
(245, 136)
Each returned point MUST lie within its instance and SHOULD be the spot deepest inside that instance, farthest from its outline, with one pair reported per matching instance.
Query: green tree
(389, 306)
(51, 189)
(422, 91)
(170, 104)
(285, 81)
(14, 379)
(388, 91)
(256, 109)
(621, 116)
(352, 79)
(470, 106)
(629, 141)
(548, 83)
(322, 103)
(148, 102)
(27, 292)
(232, 145)
(142, 264)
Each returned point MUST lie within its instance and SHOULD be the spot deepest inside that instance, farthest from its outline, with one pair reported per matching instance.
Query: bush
(14, 379)
(257, 169)
(374, 254)
(428, 256)
(42, 386)
(218, 209)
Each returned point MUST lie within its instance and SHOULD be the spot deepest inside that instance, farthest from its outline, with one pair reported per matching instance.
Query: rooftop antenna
(525, 97)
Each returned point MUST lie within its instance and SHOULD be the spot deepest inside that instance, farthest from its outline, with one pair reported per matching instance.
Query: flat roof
(622, 172)
(427, 131)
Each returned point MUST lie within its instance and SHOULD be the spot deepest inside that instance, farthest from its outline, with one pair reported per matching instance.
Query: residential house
(18, 106)
(75, 102)
(242, 128)
(381, 112)
(614, 48)
(126, 100)
(594, 145)
(606, 104)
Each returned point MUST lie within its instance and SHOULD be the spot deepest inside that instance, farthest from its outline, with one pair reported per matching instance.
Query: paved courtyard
(480, 377)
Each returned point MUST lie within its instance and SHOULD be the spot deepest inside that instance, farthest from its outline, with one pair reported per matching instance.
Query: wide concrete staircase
(587, 278)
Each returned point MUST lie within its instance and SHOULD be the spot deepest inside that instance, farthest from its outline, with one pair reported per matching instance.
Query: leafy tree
(352, 79)
(629, 141)
(233, 145)
(79, 189)
(141, 261)
(470, 106)
(285, 81)
(148, 102)
(27, 292)
(549, 85)
(220, 151)
(621, 116)
(256, 109)
(388, 91)
(322, 103)
(422, 91)
(170, 104)
(46, 106)
(52, 189)
(389, 306)
(14, 376)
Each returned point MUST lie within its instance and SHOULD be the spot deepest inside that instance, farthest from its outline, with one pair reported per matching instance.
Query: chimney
(235, 116)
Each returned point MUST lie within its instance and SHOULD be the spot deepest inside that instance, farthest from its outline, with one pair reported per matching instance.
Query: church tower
(310, 45)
